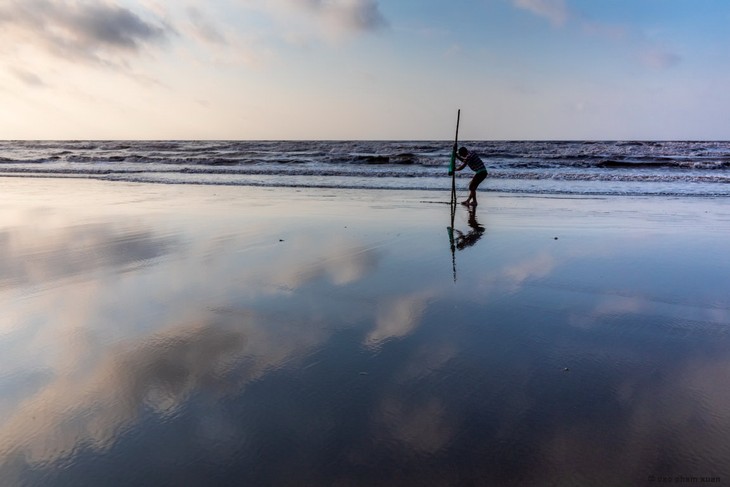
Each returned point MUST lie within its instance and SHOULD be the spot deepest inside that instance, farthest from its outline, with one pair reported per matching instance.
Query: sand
(204, 335)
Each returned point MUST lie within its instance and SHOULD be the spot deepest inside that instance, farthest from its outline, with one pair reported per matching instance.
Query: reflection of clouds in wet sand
(341, 260)
(536, 267)
(610, 306)
(215, 317)
(118, 347)
(421, 422)
(60, 283)
(513, 276)
(158, 373)
(692, 314)
(656, 427)
(30, 255)
(78, 408)
(626, 426)
(398, 317)
(423, 426)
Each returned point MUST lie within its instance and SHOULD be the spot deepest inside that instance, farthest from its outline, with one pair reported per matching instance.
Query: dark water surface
(158, 335)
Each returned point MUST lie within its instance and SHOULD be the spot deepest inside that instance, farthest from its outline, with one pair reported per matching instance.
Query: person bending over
(471, 159)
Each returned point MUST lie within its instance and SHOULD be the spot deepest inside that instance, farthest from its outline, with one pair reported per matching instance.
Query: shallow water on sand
(229, 336)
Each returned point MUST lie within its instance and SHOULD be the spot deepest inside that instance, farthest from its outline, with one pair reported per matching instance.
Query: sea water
(638, 168)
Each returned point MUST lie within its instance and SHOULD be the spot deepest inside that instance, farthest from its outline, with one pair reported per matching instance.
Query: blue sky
(364, 69)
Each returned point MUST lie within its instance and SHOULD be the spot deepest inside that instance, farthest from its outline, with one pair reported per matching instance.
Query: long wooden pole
(452, 173)
(452, 166)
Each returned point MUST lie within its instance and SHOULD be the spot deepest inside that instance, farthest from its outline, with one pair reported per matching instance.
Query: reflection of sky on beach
(243, 344)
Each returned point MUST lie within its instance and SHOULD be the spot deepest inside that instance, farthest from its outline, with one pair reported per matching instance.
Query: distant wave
(579, 167)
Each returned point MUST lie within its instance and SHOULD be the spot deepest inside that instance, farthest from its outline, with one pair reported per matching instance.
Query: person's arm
(463, 162)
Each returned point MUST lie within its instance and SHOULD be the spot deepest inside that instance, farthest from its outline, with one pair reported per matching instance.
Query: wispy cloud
(97, 32)
(658, 57)
(294, 22)
(348, 15)
(649, 54)
(556, 11)
(28, 78)
(354, 16)
(614, 32)
(299, 21)
(204, 28)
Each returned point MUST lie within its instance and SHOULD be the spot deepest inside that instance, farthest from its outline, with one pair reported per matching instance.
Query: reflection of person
(476, 232)
(471, 159)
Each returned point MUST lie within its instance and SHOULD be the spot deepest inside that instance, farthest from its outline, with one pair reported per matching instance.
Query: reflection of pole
(451, 229)
(452, 243)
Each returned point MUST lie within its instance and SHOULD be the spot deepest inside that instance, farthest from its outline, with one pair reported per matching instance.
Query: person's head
(463, 152)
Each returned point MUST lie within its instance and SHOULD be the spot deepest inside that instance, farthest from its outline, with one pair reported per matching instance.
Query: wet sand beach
(200, 335)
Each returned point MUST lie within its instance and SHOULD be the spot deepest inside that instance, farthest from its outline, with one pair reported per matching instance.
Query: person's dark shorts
(477, 180)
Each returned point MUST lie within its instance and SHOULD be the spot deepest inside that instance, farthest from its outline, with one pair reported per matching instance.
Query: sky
(365, 69)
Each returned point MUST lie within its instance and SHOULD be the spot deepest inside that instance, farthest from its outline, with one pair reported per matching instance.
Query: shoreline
(688, 189)
(575, 211)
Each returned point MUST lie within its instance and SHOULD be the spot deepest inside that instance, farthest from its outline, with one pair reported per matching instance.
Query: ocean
(635, 168)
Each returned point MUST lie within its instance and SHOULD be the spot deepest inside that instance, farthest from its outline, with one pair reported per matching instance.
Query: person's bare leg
(472, 197)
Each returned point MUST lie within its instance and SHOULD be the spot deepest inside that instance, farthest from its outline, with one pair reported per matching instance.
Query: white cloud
(350, 15)
(28, 78)
(556, 11)
(301, 20)
(649, 54)
(657, 57)
(614, 32)
(214, 40)
(204, 28)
